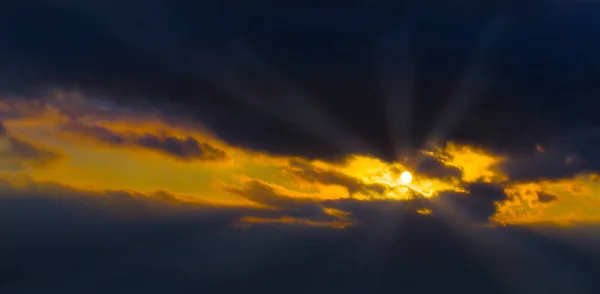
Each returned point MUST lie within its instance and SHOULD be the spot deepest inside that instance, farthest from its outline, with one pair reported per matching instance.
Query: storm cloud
(100, 51)
(300, 108)
(151, 239)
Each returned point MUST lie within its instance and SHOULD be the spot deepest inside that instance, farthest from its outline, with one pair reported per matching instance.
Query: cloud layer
(197, 148)
(149, 217)
(156, 243)
(295, 93)
(148, 153)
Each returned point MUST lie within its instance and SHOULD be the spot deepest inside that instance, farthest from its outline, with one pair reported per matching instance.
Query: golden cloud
(104, 150)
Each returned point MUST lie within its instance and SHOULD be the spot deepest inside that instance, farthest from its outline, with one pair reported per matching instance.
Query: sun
(406, 177)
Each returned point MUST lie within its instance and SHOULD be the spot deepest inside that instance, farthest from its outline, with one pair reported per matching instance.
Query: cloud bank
(194, 148)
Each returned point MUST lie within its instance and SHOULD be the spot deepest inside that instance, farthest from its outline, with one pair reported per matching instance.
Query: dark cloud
(97, 132)
(21, 150)
(182, 148)
(543, 66)
(478, 204)
(475, 206)
(3, 131)
(564, 156)
(262, 193)
(109, 200)
(185, 149)
(372, 213)
(179, 57)
(17, 153)
(313, 174)
(61, 240)
(546, 197)
(432, 167)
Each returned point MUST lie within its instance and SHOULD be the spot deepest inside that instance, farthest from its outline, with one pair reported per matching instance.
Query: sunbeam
(295, 109)
(292, 100)
(476, 79)
(534, 276)
(397, 71)
(293, 147)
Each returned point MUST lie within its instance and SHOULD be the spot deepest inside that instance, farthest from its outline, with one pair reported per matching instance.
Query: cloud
(100, 133)
(184, 149)
(567, 201)
(50, 232)
(188, 148)
(432, 167)
(3, 131)
(265, 194)
(23, 188)
(16, 153)
(475, 206)
(437, 174)
(479, 204)
(546, 197)
(164, 71)
(29, 152)
(563, 157)
(448, 169)
(313, 174)
(308, 138)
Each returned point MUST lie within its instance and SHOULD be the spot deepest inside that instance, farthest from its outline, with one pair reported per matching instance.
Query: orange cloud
(475, 164)
(104, 148)
(563, 201)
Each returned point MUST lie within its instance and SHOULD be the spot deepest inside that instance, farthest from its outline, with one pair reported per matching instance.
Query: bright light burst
(400, 185)
(406, 177)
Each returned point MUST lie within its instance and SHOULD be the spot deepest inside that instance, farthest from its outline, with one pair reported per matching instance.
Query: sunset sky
(68, 140)
(186, 146)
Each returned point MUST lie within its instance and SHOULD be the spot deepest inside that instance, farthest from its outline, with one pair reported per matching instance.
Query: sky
(258, 146)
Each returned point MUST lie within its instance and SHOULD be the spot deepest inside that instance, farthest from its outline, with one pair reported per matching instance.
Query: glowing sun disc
(406, 177)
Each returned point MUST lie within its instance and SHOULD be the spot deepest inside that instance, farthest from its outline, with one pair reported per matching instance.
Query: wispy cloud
(16, 153)
(186, 148)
